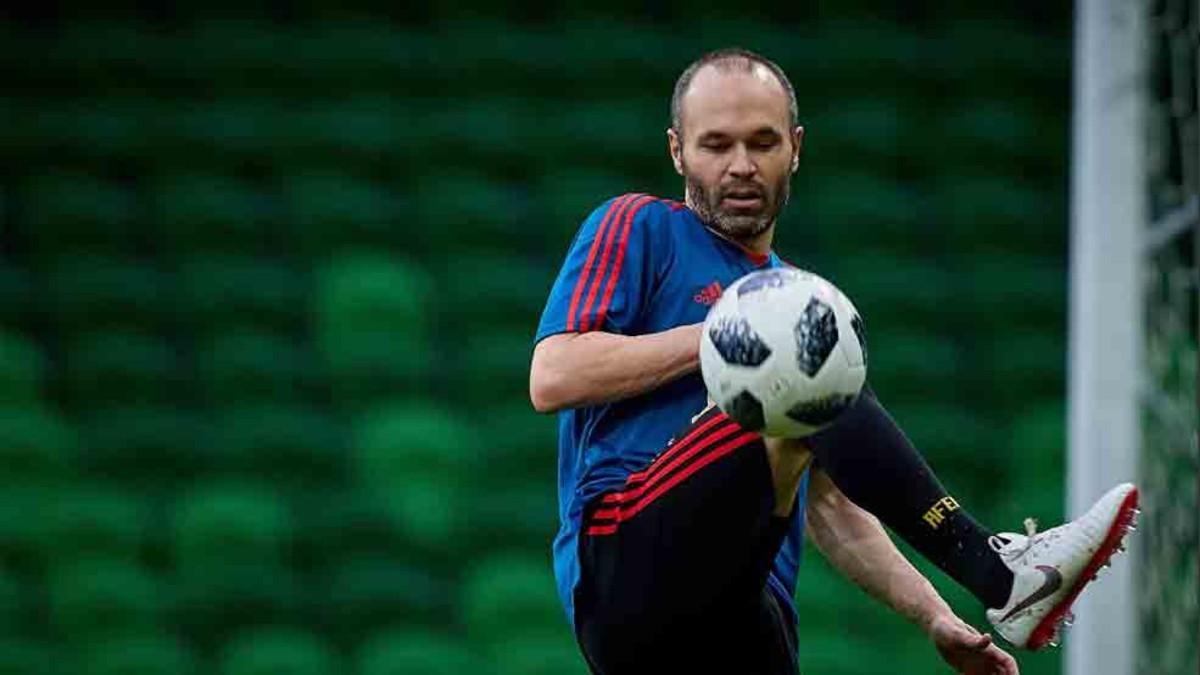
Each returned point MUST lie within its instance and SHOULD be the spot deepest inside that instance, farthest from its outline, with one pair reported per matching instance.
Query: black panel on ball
(747, 412)
(772, 278)
(737, 342)
(816, 336)
(860, 332)
(822, 411)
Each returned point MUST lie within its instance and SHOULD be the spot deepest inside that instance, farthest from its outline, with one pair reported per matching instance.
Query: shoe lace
(1000, 542)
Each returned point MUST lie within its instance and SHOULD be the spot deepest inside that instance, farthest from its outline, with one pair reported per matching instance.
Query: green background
(268, 285)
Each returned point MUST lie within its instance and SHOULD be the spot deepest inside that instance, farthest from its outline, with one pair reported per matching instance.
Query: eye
(715, 146)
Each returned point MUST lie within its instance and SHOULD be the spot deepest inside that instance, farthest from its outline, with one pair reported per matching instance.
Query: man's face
(737, 151)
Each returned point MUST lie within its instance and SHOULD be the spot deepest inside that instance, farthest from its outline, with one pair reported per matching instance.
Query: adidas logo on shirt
(709, 294)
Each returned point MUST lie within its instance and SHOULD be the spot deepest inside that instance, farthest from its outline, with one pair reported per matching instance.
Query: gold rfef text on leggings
(937, 513)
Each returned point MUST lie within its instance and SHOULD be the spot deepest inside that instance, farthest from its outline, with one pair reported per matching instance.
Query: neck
(759, 244)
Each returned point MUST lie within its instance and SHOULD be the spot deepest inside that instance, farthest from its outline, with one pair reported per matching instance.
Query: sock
(873, 463)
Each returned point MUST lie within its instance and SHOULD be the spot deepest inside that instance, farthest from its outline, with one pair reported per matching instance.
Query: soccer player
(680, 531)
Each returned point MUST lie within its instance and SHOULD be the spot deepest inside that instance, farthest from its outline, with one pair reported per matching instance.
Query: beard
(738, 225)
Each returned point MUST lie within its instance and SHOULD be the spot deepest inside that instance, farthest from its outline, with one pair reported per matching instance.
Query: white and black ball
(783, 352)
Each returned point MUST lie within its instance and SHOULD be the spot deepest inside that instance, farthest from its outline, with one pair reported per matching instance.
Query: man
(681, 532)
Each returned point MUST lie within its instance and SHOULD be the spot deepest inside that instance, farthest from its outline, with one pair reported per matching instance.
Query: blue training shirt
(639, 265)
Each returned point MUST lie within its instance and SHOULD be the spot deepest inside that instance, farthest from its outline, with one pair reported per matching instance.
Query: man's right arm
(570, 370)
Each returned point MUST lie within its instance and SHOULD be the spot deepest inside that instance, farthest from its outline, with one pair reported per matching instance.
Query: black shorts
(674, 565)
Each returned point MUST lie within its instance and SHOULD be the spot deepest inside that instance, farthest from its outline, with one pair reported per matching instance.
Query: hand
(967, 651)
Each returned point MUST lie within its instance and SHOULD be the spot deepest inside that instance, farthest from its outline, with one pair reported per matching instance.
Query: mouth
(743, 199)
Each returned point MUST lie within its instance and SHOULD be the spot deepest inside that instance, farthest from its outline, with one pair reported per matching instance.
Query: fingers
(1002, 662)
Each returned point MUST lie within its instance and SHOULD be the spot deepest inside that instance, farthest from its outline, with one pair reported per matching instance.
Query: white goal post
(1108, 215)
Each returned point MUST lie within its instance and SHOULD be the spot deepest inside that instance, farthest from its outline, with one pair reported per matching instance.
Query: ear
(675, 147)
(797, 145)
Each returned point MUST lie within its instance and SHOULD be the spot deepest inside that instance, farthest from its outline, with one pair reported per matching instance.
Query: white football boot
(1052, 567)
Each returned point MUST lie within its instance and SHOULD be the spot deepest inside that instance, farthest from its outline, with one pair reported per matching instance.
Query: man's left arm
(857, 546)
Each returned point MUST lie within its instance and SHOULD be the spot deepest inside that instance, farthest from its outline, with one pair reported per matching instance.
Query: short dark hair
(729, 57)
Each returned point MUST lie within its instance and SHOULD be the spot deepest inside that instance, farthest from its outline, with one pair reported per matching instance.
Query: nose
(742, 166)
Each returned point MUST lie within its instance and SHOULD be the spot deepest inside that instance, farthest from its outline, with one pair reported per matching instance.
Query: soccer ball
(783, 352)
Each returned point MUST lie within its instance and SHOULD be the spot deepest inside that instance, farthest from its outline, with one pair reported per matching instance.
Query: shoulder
(635, 210)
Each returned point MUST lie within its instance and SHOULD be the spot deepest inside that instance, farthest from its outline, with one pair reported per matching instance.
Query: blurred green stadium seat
(75, 54)
(493, 366)
(347, 523)
(510, 593)
(92, 599)
(328, 211)
(371, 325)
(836, 653)
(278, 651)
(366, 367)
(414, 651)
(211, 134)
(549, 652)
(245, 365)
(74, 212)
(504, 290)
(14, 603)
(512, 514)
(92, 521)
(997, 53)
(1000, 134)
(361, 594)
(214, 603)
(120, 367)
(230, 524)
(209, 211)
(356, 131)
(893, 291)
(566, 197)
(30, 657)
(519, 440)
(367, 292)
(1011, 291)
(88, 291)
(955, 439)
(219, 291)
(21, 518)
(492, 215)
(631, 129)
(149, 653)
(22, 368)
(415, 457)
(856, 133)
(16, 296)
(1043, 502)
(499, 131)
(852, 210)
(1037, 439)
(93, 132)
(978, 213)
(397, 440)
(909, 363)
(292, 446)
(36, 446)
(1024, 365)
(151, 448)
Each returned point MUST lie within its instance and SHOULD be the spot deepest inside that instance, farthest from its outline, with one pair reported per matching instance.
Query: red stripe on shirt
(584, 322)
(581, 283)
(616, 273)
